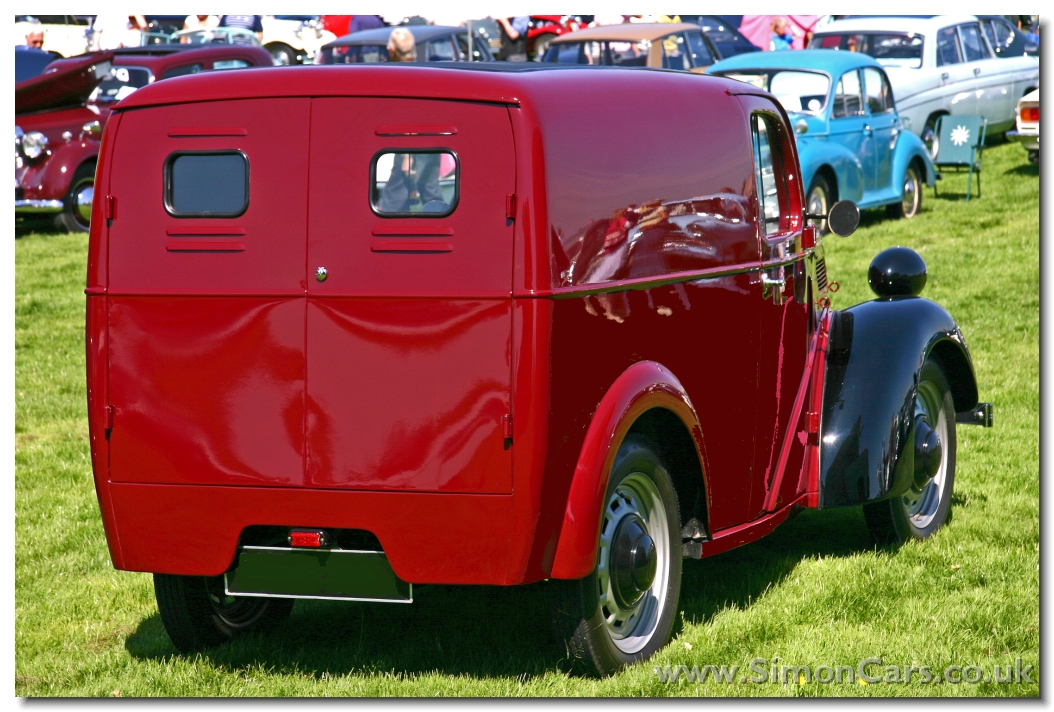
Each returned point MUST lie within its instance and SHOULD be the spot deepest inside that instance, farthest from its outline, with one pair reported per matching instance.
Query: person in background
(401, 46)
(35, 38)
(513, 38)
(112, 31)
(781, 35)
(364, 22)
(245, 22)
(200, 22)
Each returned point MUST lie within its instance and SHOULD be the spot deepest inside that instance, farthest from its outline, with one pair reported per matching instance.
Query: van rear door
(206, 293)
(409, 316)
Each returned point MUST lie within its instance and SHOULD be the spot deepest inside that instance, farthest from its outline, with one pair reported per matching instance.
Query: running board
(336, 574)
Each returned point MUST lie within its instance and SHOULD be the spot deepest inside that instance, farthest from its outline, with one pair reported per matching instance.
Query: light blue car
(851, 143)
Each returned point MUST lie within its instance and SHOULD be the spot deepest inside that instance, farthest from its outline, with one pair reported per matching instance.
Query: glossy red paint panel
(408, 394)
(274, 223)
(347, 237)
(207, 390)
(428, 538)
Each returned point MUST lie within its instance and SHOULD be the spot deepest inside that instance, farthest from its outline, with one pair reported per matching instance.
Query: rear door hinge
(109, 421)
(506, 426)
(110, 207)
(510, 206)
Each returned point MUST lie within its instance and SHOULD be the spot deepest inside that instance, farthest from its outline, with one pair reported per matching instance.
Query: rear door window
(414, 183)
(973, 45)
(948, 51)
(207, 184)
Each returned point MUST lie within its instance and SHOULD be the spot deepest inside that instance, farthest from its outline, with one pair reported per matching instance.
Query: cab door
(207, 243)
(409, 313)
(784, 318)
(882, 119)
(850, 126)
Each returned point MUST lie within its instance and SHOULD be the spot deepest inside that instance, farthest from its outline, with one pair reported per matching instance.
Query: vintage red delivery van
(354, 329)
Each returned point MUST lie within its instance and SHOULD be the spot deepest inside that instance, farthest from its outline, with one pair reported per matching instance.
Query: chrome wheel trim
(82, 200)
(636, 496)
(909, 203)
(817, 205)
(922, 503)
(282, 58)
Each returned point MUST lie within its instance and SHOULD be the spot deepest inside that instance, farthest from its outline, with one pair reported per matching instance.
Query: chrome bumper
(1029, 141)
(38, 207)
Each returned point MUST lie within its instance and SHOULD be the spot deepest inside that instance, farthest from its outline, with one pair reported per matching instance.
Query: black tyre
(197, 614)
(76, 206)
(920, 511)
(911, 203)
(818, 202)
(283, 55)
(625, 610)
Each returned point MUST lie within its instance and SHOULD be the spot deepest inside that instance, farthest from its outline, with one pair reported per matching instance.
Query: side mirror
(843, 218)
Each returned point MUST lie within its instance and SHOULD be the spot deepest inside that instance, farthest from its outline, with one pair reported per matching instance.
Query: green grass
(814, 593)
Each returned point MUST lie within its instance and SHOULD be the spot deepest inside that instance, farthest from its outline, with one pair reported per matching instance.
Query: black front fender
(875, 353)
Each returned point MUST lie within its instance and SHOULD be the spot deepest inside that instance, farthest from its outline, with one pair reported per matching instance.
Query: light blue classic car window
(800, 91)
(948, 47)
(973, 45)
(876, 90)
(847, 99)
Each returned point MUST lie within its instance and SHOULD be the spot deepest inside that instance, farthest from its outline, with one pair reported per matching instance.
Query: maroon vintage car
(59, 117)
(431, 336)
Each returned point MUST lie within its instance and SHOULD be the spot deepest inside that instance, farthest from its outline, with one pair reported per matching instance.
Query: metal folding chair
(960, 142)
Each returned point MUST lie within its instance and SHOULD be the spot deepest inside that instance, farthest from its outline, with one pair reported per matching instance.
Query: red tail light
(313, 538)
(1030, 113)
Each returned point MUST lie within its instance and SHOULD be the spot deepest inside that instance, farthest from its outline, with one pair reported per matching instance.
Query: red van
(356, 329)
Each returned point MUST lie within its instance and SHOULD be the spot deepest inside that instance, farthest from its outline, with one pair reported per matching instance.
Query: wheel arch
(645, 399)
(843, 169)
(910, 150)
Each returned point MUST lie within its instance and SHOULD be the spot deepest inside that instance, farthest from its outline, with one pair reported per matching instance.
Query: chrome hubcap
(83, 199)
(910, 193)
(633, 562)
(931, 432)
(817, 205)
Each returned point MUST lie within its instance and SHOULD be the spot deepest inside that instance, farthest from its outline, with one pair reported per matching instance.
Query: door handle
(944, 76)
(867, 129)
(976, 71)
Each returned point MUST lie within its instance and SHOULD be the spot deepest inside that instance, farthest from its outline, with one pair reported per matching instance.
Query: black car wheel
(624, 611)
(197, 613)
(926, 505)
(282, 54)
(76, 206)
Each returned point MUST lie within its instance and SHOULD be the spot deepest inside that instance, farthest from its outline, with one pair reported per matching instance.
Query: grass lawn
(814, 593)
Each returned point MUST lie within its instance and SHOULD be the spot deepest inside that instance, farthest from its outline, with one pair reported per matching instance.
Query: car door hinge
(812, 422)
(110, 207)
(510, 206)
(506, 426)
(109, 422)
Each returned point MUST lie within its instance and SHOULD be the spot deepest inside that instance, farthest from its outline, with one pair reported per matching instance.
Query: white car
(1027, 130)
(294, 39)
(938, 65)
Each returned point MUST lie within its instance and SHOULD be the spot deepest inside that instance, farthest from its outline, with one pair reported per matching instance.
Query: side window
(420, 183)
(876, 89)
(230, 64)
(211, 184)
(674, 52)
(973, 44)
(1004, 33)
(768, 172)
(180, 71)
(847, 101)
(701, 56)
(441, 50)
(948, 47)
(989, 31)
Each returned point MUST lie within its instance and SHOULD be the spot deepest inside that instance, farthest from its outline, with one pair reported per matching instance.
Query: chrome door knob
(321, 274)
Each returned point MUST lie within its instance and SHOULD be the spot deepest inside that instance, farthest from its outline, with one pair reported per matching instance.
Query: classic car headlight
(34, 144)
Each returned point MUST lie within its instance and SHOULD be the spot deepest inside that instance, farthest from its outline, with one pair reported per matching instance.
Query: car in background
(294, 39)
(543, 29)
(937, 66)
(68, 35)
(1007, 40)
(1026, 132)
(435, 43)
(31, 62)
(661, 45)
(723, 35)
(60, 114)
(851, 145)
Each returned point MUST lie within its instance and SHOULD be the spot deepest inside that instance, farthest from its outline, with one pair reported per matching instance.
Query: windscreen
(799, 92)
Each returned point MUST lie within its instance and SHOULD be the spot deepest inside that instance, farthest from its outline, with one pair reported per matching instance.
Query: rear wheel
(76, 206)
(624, 611)
(282, 54)
(818, 202)
(929, 133)
(197, 614)
(920, 511)
(911, 202)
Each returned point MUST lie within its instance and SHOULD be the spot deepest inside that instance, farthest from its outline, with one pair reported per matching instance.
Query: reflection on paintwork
(661, 237)
(365, 355)
(207, 391)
